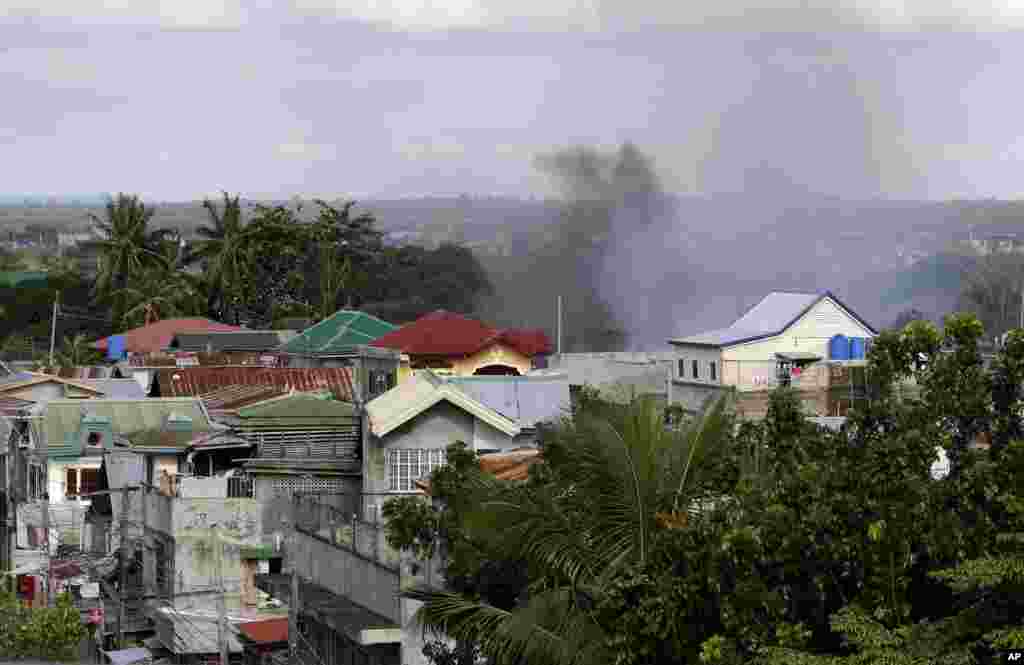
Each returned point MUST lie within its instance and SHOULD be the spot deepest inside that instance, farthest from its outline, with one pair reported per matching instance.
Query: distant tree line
(253, 266)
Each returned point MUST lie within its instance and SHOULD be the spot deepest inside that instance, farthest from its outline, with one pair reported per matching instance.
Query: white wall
(704, 357)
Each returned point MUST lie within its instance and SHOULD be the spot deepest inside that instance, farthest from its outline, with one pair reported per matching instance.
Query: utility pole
(49, 556)
(123, 591)
(293, 616)
(558, 330)
(53, 326)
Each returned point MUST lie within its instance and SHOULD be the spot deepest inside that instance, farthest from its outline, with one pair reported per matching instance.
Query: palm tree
(615, 481)
(165, 291)
(75, 352)
(224, 251)
(128, 248)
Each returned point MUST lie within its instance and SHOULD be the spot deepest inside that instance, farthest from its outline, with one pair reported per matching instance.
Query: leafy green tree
(128, 248)
(628, 474)
(165, 291)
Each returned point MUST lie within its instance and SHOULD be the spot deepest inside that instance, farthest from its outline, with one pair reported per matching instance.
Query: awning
(798, 356)
(128, 656)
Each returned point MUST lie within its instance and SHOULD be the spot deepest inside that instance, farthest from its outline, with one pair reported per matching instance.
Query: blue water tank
(856, 348)
(839, 348)
(115, 347)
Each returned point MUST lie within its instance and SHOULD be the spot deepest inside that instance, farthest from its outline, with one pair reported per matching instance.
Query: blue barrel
(856, 348)
(839, 348)
(115, 347)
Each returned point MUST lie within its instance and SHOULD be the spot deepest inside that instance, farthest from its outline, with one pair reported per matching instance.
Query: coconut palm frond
(550, 629)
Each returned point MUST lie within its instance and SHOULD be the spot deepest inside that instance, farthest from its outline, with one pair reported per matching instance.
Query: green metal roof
(300, 410)
(62, 418)
(345, 329)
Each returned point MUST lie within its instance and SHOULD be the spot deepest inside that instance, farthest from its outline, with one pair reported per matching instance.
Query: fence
(338, 520)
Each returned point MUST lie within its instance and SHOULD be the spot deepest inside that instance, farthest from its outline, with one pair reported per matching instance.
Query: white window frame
(407, 465)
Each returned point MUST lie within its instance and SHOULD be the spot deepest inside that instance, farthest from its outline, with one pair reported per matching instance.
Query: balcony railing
(341, 520)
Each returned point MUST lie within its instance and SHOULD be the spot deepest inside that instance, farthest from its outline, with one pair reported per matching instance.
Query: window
(682, 368)
(89, 480)
(712, 371)
(696, 369)
(405, 467)
(380, 383)
(71, 483)
(95, 438)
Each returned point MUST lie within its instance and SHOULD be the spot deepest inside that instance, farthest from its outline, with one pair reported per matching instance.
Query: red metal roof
(158, 336)
(196, 381)
(266, 632)
(443, 333)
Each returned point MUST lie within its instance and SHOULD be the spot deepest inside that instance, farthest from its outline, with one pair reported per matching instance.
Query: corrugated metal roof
(190, 634)
(236, 340)
(157, 336)
(117, 388)
(266, 632)
(776, 312)
(527, 400)
(422, 391)
(62, 417)
(230, 398)
(511, 465)
(28, 379)
(195, 381)
(346, 328)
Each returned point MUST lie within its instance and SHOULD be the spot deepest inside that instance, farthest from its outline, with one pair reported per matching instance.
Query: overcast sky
(177, 99)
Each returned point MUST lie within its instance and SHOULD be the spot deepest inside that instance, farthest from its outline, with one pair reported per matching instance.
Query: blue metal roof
(526, 400)
(776, 312)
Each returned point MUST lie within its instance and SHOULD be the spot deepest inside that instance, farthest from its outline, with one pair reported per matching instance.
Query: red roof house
(157, 336)
(443, 333)
(467, 343)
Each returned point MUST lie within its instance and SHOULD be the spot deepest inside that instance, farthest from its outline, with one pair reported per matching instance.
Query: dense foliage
(774, 542)
(249, 266)
(46, 633)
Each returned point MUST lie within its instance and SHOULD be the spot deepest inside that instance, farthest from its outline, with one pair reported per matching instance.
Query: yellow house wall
(496, 354)
(744, 362)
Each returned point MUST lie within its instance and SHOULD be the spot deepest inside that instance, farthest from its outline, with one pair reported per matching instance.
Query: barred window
(405, 467)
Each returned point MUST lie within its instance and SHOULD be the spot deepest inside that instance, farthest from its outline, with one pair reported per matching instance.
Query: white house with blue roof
(783, 338)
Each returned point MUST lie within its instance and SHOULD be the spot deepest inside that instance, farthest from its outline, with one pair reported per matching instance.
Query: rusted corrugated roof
(266, 632)
(11, 405)
(230, 398)
(511, 465)
(196, 381)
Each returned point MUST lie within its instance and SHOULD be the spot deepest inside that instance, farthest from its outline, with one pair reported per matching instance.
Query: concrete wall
(276, 504)
(346, 574)
(704, 357)
(617, 375)
(693, 396)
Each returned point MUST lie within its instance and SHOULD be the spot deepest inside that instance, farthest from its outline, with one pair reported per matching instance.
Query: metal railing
(340, 520)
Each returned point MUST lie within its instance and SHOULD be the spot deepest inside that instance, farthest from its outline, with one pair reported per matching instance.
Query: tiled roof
(266, 632)
(157, 336)
(237, 340)
(774, 314)
(347, 328)
(195, 381)
(443, 333)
